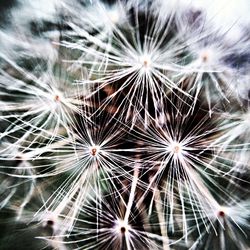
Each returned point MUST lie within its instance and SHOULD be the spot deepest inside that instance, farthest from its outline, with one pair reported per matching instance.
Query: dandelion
(40, 106)
(113, 224)
(228, 218)
(134, 63)
(37, 226)
(181, 154)
(92, 160)
(237, 128)
(14, 164)
(124, 125)
(207, 71)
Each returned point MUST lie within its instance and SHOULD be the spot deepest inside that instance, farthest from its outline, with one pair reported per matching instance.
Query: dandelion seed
(180, 156)
(134, 63)
(40, 108)
(237, 129)
(13, 163)
(221, 213)
(228, 224)
(94, 150)
(103, 225)
(92, 159)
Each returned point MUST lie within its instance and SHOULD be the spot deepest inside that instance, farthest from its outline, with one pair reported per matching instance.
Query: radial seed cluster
(124, 125)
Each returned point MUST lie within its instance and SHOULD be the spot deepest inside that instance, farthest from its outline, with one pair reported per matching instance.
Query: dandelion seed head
(145, 65)
(113, 15)
(118, 128)
(53, 221)
(175, 148)
(222, 212)
(94, 150)
(57, 98)
(208, 56)
(145, 61)
(49, 219)
(50, 223)
(123, 230)
(20, 157)
(122, 227)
